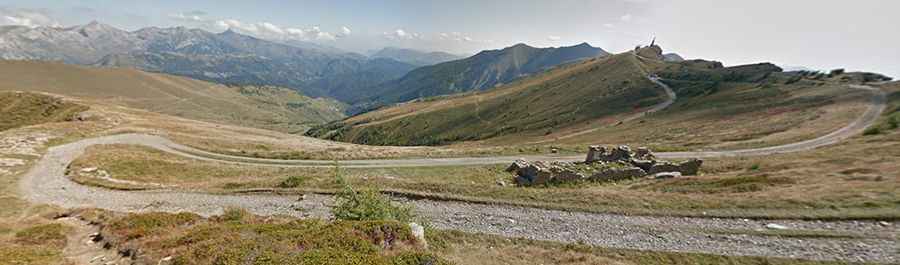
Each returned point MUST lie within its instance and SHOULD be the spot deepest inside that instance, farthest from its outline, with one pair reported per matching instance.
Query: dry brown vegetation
(263, 107)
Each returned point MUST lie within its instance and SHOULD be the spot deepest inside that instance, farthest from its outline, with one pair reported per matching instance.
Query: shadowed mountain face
(227, 57)
(415, 57)
(484, 70)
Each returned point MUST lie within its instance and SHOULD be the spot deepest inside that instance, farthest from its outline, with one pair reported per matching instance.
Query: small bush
(368, 205)
(754, 167)
(893, 122)
(874, 130)
(292, 182)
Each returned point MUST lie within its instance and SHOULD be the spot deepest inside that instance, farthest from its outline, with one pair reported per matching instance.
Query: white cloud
(26, 17)
(345, 31)
(457, 36)
(400, 34)
(269, 30)
(608, 25)
(553, 38)
(626, 17)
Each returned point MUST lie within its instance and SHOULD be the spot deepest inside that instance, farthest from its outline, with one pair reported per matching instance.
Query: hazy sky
(858, 35)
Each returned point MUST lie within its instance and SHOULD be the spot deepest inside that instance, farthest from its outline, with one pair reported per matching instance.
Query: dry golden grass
(260, 107)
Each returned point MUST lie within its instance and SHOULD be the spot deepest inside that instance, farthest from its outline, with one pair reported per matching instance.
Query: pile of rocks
(602, 164)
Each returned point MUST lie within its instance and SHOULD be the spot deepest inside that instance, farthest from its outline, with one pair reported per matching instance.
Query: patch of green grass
(140, 225)
(53, 235)
(292, 182)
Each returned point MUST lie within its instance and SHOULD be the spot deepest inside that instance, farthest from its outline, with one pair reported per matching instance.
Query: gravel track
(47, 183)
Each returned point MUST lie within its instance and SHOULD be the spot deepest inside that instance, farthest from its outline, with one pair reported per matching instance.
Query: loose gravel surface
(46, 182)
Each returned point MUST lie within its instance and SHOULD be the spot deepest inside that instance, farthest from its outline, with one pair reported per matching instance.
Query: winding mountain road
(46, 182)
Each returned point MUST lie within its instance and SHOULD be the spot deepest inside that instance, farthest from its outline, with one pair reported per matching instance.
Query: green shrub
(894, 122)
(368, 205)
(874, 130)
(292, 182)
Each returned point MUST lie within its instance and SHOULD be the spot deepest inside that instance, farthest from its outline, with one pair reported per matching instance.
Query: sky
(819, 34)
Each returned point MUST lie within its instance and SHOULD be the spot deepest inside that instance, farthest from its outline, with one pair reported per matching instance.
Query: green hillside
(263, 107)
(571, 94)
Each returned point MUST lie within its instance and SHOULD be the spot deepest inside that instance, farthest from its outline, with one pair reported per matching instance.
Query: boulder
(418, 231)
(517, 165)
(687, 168)
(594, 153)
(644, 153)
(690, 167)
(643, 164)
(663, 166)
(613, 174)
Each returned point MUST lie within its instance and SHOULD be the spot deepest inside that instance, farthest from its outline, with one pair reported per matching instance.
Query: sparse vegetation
(23, 109)
(239, 237)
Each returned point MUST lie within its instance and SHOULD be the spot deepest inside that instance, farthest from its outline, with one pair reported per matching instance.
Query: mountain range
(484, 70)
(388, 76)
(415, 57)
(227, 57)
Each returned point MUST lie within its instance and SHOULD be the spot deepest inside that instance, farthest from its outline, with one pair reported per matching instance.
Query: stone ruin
(602, 164)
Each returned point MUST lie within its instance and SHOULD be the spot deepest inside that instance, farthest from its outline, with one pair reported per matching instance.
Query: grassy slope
(727, 108)
(266, 107)
(544, 103)
(23, 109)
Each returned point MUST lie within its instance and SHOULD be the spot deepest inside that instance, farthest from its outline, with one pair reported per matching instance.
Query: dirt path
(82, 249)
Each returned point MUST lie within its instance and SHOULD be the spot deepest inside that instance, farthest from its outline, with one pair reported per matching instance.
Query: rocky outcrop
(540, 173)
(603, 164)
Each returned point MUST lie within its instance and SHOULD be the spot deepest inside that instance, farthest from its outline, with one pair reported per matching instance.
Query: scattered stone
(884, 224)
(776, 227)
(302, 197)
(89, 170)
(418, 232)
(501, 183)
(614, 164)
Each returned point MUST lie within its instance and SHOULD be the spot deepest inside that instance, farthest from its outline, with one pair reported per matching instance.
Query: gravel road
(46, 182)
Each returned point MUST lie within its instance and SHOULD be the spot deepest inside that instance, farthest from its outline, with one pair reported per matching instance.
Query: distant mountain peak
(583, 44)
